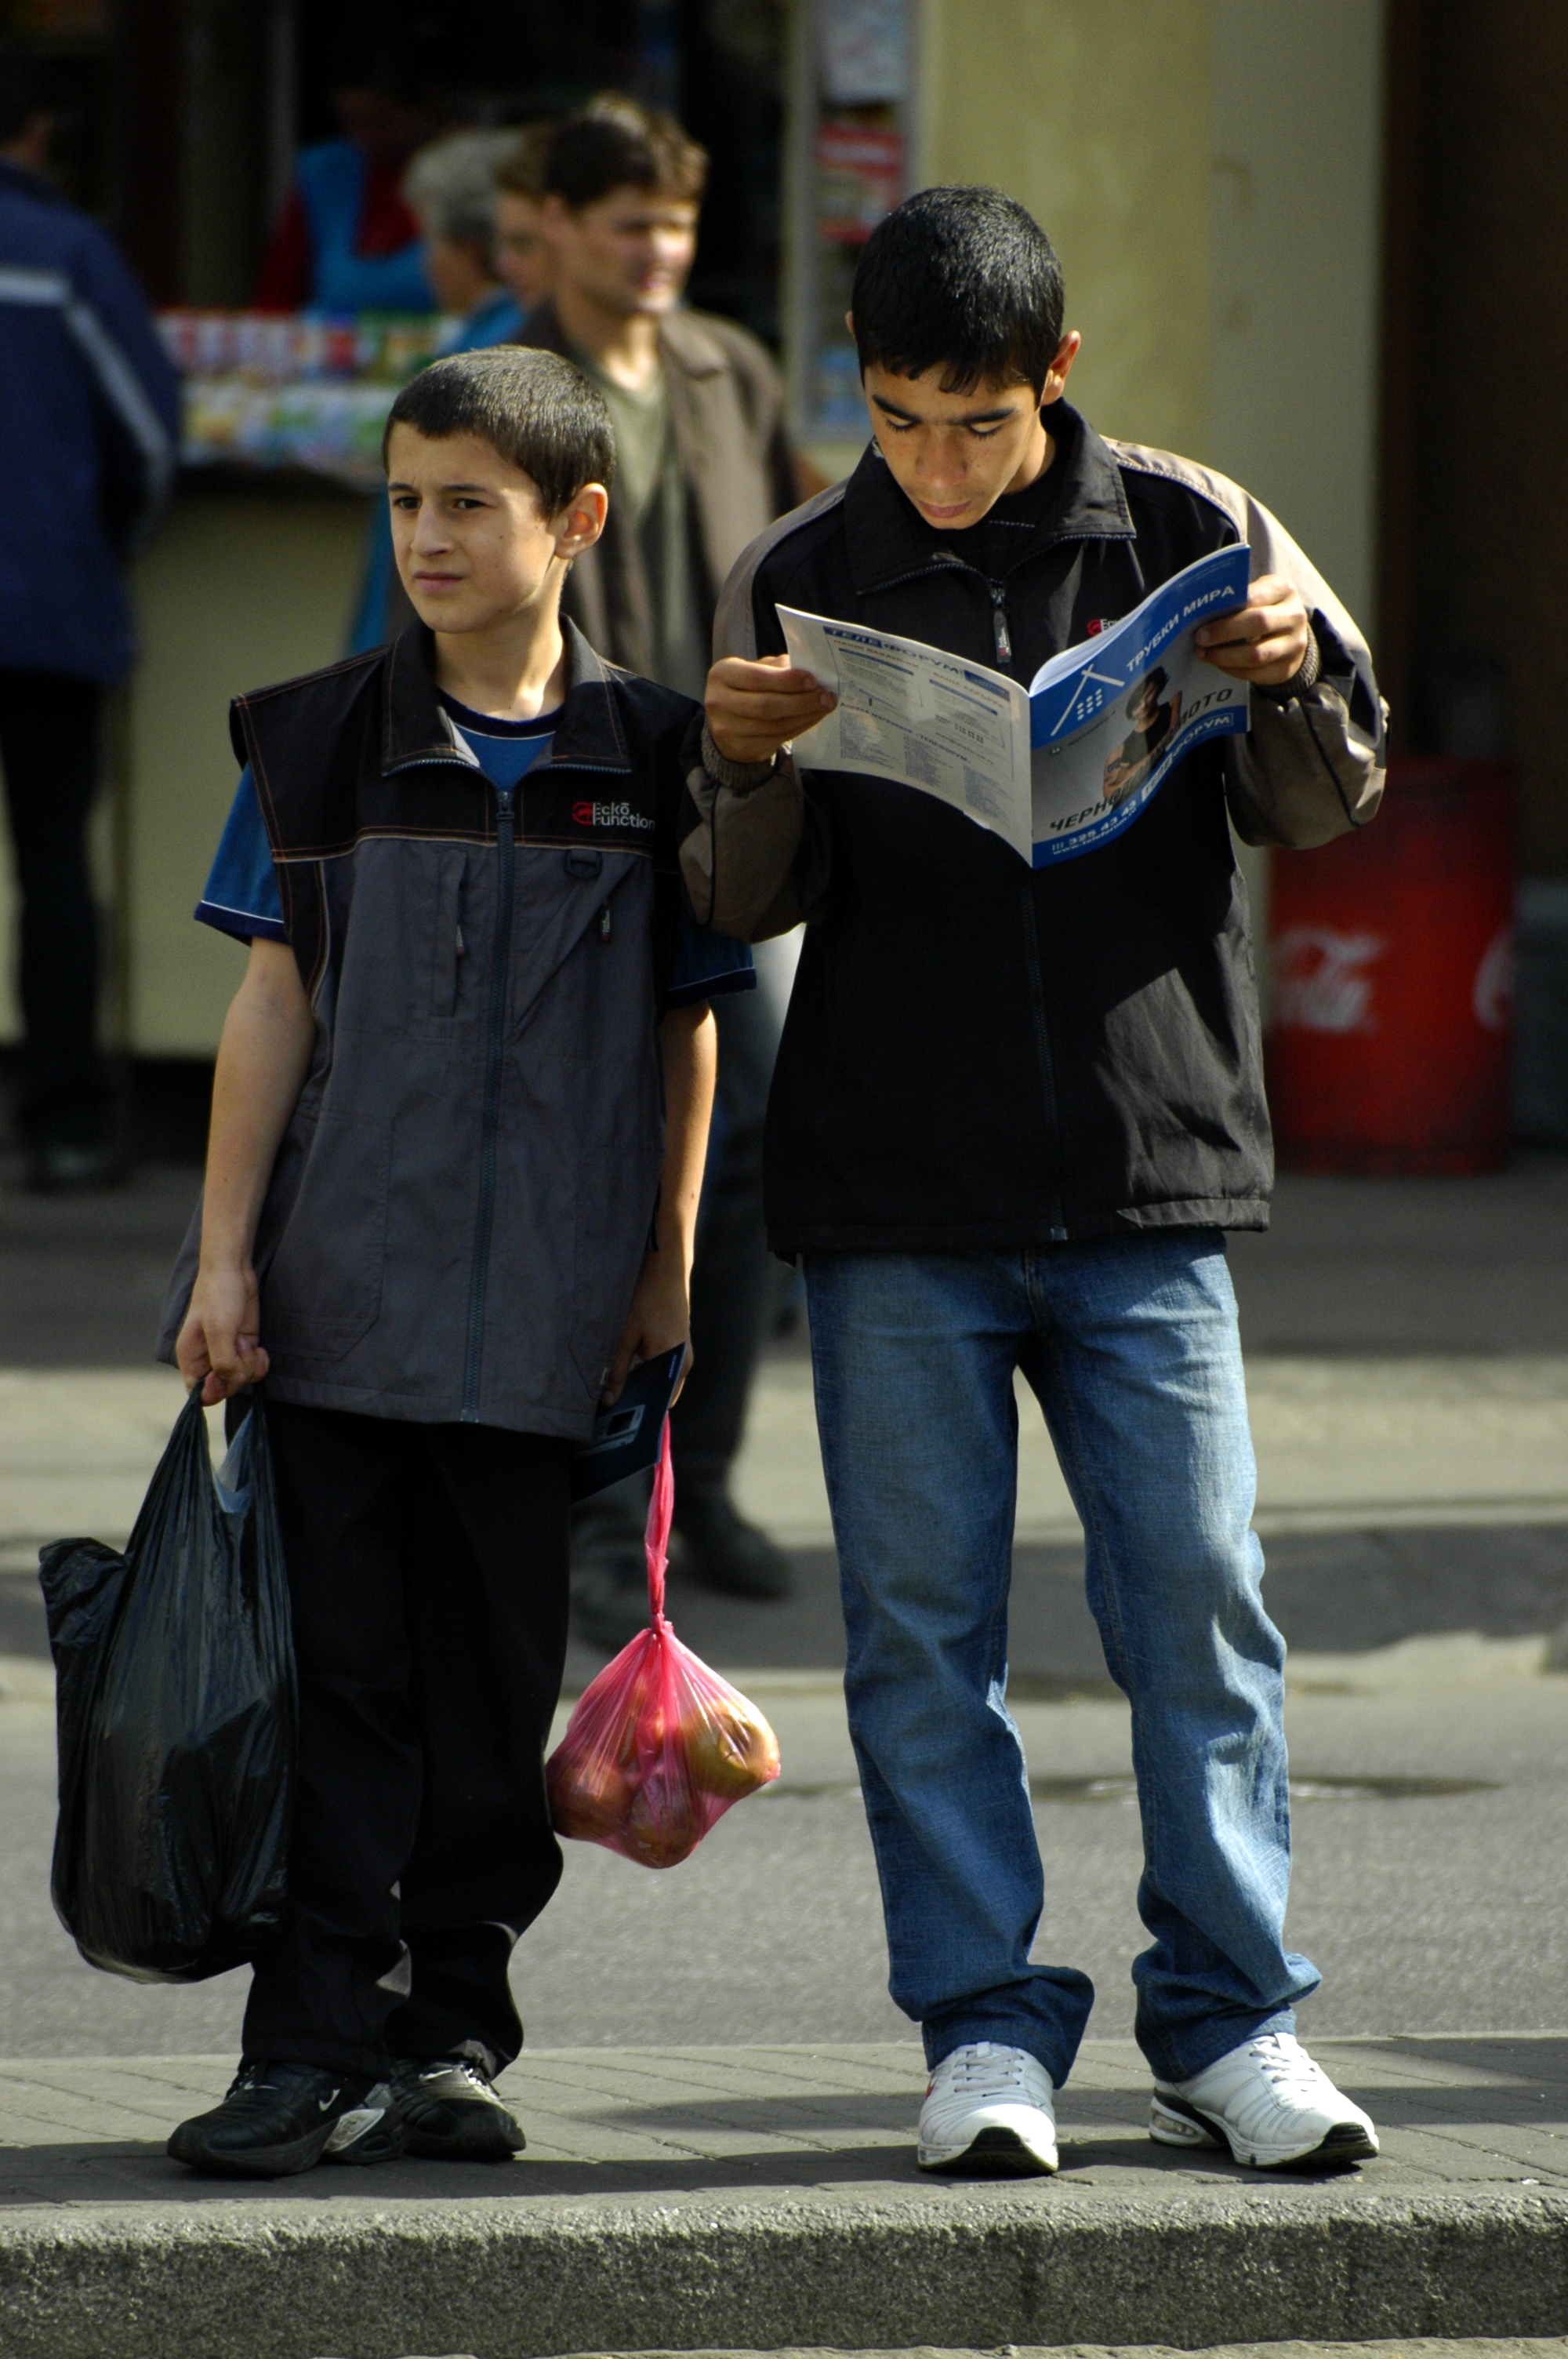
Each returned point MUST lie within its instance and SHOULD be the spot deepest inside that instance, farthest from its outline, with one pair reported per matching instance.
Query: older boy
(1014, 1110)
(445, 1211)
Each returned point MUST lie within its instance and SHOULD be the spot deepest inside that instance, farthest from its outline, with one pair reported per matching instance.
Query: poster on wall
(864, 52)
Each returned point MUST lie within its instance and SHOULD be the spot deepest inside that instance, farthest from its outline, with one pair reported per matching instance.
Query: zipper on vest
(490, 1121)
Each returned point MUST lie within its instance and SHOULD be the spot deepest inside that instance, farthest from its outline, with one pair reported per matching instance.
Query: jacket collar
(686, 343)
(416, 727)
(885, 538)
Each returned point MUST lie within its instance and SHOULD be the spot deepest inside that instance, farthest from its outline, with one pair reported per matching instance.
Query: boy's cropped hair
(616, 142)
(964, 280)
(540, 412)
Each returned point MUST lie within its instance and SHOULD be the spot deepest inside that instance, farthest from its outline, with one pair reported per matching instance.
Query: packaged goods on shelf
(268, 390)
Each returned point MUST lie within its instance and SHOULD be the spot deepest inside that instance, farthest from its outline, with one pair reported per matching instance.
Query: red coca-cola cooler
(1392, 956)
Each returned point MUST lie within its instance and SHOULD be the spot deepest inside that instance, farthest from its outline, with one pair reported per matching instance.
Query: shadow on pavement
(1466, 2083)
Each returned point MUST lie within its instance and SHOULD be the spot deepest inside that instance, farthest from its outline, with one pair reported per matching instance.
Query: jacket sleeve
(1312, 764)
(756, 854)
(136, 384)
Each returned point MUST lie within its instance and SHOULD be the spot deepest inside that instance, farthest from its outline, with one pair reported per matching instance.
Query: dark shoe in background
(279, 2119)
(610, 1570)
(448, 2112)
(723, 1551)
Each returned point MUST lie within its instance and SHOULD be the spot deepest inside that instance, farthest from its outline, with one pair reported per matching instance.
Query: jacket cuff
(741, 777)
(1298, 684)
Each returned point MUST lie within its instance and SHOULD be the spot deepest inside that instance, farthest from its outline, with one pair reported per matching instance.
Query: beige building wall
(1210, 173)
(237, 590)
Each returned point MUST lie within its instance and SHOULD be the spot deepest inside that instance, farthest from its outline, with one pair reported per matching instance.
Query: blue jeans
(1131, 1346)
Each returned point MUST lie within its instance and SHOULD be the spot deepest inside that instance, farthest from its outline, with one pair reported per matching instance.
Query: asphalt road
(1426, 1910)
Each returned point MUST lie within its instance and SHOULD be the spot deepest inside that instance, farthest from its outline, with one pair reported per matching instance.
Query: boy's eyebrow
(396, 484)
(971, 417)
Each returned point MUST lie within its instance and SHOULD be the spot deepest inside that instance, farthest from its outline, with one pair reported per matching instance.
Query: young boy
(1013, 1112)
(459, 1122)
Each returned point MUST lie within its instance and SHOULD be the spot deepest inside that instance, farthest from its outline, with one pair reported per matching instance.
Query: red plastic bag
(659, 1747)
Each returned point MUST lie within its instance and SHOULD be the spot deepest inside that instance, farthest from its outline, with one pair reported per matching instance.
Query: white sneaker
(989, 2109)
(1269, 2103)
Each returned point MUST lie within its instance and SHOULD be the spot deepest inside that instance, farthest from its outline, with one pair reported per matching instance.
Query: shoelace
(993, 2075)
(1290, 2071)
(469, 2070)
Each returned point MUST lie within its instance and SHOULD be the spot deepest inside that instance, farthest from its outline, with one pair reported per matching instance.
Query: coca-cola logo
(1322, 979)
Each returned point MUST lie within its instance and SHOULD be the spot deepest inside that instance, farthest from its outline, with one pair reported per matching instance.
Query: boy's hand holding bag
(659, 1747)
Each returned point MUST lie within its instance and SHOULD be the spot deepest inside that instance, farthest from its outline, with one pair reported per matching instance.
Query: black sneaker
(449, 2111)
(282, 2118)
(723, 1551)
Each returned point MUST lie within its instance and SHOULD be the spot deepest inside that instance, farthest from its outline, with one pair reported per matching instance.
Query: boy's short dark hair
(964, 280)
(617, 143)
(534, 408)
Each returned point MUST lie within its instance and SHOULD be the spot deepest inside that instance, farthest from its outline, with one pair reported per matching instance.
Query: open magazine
(1056, 772)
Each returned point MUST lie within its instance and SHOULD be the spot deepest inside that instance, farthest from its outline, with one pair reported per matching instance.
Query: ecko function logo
(610, 815)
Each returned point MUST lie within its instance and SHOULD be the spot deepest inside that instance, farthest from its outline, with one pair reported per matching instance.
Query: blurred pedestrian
(348, 239)
(90, 419)
(523, 256)
(450, 185)
(704, 465)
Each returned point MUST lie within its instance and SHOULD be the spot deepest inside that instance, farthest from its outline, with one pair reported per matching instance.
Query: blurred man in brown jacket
(703, 468)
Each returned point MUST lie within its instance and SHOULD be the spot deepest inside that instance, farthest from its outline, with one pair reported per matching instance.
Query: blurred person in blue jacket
(348, 239)
(451, 187)
(90, 422)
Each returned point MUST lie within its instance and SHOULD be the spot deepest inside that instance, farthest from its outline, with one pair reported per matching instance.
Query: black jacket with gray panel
(981, 1055)
(464, 1194)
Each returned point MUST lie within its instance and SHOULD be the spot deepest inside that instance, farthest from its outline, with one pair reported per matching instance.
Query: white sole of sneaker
(994, 2153)
(1172, 2122)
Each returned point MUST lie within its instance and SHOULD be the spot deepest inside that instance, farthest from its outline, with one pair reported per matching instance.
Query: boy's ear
(1056, 375)
(581, 520)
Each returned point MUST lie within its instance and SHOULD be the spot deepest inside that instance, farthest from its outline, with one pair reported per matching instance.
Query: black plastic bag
(175, 1710)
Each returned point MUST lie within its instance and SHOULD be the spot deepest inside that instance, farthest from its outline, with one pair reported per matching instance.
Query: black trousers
(49, 741)
(427, 1573)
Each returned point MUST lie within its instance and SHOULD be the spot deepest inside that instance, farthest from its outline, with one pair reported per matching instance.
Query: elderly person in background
(450, 185)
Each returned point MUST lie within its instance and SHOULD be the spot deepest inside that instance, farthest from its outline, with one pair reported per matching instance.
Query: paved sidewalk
(1343, 1445)
(760, 2197)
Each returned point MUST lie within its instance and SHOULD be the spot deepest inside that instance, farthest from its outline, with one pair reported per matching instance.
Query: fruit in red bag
(664, 1825)
(591, 1800)
(728, 1751)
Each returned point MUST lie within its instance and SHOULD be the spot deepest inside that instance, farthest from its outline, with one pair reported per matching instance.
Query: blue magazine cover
(1108, 721)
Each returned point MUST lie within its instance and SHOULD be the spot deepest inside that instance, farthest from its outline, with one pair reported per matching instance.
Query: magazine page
(922, 718)
(1110, 719)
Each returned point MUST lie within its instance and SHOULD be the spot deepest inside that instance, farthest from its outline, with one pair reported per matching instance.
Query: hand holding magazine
(1055, 773)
